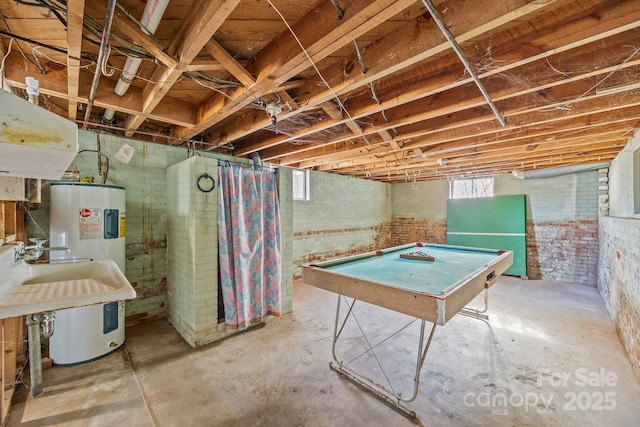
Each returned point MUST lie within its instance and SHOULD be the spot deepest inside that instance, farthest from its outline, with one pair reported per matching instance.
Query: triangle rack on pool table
(417, 255)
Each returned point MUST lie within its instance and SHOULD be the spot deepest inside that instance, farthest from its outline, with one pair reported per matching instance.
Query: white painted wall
(339, 201)
(421, 200)
(621, 181)
(192, 275)
(344, 214)
(573, 196)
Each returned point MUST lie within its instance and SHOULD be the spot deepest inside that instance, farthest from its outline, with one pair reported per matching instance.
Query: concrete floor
(527, 366)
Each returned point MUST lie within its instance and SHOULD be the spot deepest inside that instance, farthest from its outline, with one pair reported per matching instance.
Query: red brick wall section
(382, 239)
(566, 251)
(408, 230)
(618, 280)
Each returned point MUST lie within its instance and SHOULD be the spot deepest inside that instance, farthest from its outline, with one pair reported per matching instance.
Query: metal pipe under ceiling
(456, 47)
(559, 171)
(104, 43)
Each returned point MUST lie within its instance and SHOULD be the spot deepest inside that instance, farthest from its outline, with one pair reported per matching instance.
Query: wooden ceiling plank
(622, 15)
(429, 110)
(201, 21)
(123, 23)
(533, 143)
(204, 65)
(282, 59)
(598, 114)
(410, 45)
(75, 18)
(546, 150)
(386, 136)
(336, 115)
(551, 159)
(287, 101)
(612, 141)
(229, 63)
(500, 91)
(474, 146)
(425, 172)
(514, 110)
(55, 84)
(433, 112)
(482, 158)
(522, 147)
(362, 158)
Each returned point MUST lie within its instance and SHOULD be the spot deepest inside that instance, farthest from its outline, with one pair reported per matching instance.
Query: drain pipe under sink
(35, 356)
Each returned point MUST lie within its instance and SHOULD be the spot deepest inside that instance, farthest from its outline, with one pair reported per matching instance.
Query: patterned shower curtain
(248, 244)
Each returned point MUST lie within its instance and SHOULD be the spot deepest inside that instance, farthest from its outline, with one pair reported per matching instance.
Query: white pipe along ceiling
(149, 22)
(562, 170)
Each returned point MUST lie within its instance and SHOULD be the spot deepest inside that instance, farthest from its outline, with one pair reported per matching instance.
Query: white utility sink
(35, 288)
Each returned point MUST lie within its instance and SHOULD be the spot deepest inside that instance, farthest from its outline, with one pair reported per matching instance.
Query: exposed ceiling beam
(407, 46)
(320, 32)
(555, 43)
(200, 23)
(55, 84)
(75, 18)
(124, 24)
(500, 154)
(515, 103)
(229, 63)
(600, 111)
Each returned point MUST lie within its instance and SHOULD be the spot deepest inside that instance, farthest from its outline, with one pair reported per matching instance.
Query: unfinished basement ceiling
(372, 89)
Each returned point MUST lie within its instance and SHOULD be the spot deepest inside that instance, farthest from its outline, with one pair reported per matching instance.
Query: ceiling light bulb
(273, 109)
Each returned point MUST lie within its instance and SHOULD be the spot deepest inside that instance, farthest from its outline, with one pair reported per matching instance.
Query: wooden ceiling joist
(564, 73)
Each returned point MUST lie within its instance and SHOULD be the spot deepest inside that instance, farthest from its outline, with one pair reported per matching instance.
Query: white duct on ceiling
(561, 170)
(151, 17)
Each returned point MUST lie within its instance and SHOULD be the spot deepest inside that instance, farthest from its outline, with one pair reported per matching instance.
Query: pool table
(429, 282)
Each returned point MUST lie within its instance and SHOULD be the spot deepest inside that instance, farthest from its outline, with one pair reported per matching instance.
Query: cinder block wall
(285, 196)
(344, 216)
(619, 266)
(147, 202)
(146, 197)
(181, 250)
(193, 252)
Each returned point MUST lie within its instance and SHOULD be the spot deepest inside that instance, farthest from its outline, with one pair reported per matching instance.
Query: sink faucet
(34, 252)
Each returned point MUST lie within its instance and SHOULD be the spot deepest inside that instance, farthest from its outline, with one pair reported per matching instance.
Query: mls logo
(499, 411)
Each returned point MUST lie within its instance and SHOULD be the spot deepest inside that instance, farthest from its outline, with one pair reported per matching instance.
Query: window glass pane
(300, 183)
(474, 187)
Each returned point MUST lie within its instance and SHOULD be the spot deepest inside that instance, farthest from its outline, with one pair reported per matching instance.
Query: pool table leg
(388, 396)
(474, 312)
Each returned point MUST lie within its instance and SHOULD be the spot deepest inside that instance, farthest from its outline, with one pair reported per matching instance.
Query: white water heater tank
(90, 220)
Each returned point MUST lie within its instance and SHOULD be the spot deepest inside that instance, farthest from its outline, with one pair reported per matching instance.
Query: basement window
(300, 184)
(468, 188)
